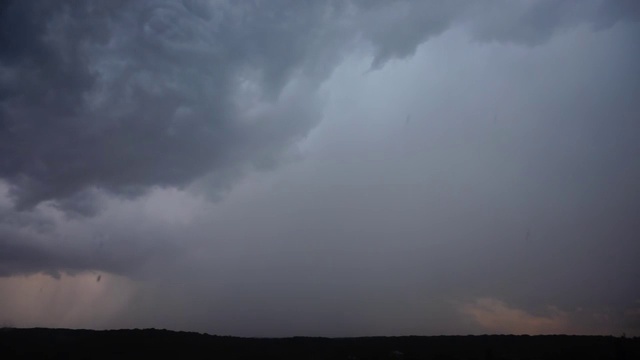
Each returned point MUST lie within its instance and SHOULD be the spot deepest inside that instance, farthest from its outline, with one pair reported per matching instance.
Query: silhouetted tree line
(150, 343)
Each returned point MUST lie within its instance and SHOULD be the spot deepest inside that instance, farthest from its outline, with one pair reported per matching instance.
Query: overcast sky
(321, 168)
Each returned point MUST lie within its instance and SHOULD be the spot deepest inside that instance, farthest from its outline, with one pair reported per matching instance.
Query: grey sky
(248, 168)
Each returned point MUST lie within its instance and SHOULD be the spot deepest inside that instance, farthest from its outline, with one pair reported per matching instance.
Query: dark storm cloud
(508, 199)
(121, 96)
(26, 248)
(397, 28)
(535, 22)
(20, 254)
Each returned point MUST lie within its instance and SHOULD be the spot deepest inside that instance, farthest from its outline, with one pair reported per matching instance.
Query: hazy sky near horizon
(321, 168)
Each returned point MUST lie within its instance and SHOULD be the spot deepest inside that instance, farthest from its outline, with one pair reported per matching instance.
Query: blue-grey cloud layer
(121, 96)
(102, 102)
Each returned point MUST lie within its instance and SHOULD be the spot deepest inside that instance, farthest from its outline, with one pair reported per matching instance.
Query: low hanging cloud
(122, 96)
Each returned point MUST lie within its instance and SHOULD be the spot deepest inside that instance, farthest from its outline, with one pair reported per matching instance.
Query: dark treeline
(141, 344)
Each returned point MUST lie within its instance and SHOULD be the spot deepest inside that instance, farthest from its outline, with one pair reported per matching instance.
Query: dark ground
(142, 344)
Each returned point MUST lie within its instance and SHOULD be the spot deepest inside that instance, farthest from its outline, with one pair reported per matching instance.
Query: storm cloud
(472, 165)
(123, 96)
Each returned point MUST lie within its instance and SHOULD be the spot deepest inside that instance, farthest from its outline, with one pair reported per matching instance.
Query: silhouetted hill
(139, 344)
